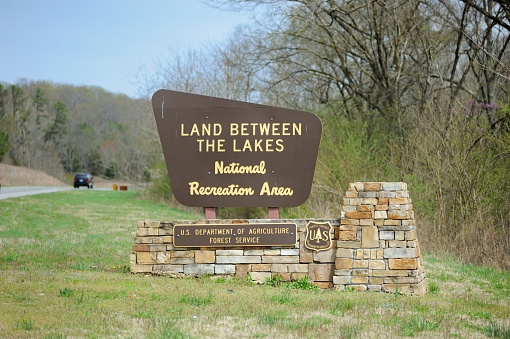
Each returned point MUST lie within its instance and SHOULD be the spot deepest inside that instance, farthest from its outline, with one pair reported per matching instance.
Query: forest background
(407, 90)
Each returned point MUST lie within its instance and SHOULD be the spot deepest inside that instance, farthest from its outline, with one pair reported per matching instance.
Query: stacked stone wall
(153, 252)
(374, 247)
(377, 247)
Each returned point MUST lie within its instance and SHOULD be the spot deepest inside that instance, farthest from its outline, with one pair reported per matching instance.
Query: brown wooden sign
(225, 153)
(236, 235)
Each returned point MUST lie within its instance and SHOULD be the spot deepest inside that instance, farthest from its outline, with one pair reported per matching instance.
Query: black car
(83, 179)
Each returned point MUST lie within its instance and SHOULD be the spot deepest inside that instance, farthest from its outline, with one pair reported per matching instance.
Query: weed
(433, 287)
(21, 297)
(79, 298)
(167, 330)
(304, 284)
(25, 324)
(283, 298)
(480, 315)
(65, 292)
(417, 324)
(275, 280)
(340, 307)
(272, 319)
(348, 331)
(494, 330)
(195, 300)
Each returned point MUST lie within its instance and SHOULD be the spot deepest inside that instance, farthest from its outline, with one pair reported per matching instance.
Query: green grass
(64, 272)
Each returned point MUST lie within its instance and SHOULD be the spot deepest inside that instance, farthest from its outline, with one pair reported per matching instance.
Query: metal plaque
(236, 235)
(226, 153)
(318, 236)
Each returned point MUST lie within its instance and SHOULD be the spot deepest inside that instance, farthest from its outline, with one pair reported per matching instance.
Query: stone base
(374, 248)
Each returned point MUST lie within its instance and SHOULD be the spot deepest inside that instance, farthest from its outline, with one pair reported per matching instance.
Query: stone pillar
(378, 247)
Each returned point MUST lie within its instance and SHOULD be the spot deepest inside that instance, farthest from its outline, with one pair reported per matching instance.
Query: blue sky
(103, 42)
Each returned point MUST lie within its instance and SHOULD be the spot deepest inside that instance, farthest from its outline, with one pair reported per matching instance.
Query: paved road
(19, 191)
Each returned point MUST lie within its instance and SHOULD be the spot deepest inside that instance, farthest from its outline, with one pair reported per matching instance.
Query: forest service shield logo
(318, 236)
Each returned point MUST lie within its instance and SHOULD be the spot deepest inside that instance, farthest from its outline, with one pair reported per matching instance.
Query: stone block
(305, 255)
(396, 244)
(369, 237)
(260, 277)
(289, 251)
(242, 271)
(323, 284)
(366, 222)
(386, 235)
(229, 252)
(169, 268)
(395, 253)
(140, 248)
(375, 280)
(261, 267)
(205, 257)
(392, 222)
(393, 186)
(385, 194)
(299, 275)
(253, 252)
(348, 244)
(182, 261)
(225, 269)
(199, 269)
(361, 272)
(137, 268)
(238, 259)
(182, 254)
(358, 215)
(372, 186)
(365, 208)
(279, 268)
(272, 252)
(325, 256)
(400, 235)
(367, 194)
(349, 222)
(277, 259)
(374, 288)
(343, 263)
(347, 235)
(144, 232)
(351, 194)
(359, 280)
(359, 288)
(403, 264)
(390, 273)
(400, 201)
(377, 264)
(363, 253)
(369, 201)
(162, 257)
(298, 268)
(410, 235)
(399, 215)
(342, 280)
(145, 258)
(345, 253)
(320, 272)
(360, 264)
(380, 214)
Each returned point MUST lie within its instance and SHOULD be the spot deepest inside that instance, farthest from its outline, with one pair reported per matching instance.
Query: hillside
(22, 176)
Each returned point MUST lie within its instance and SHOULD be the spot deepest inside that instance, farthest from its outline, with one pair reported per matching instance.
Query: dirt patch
(22, 176)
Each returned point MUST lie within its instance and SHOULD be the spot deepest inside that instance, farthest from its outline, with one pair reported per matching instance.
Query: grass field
(64, 272)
